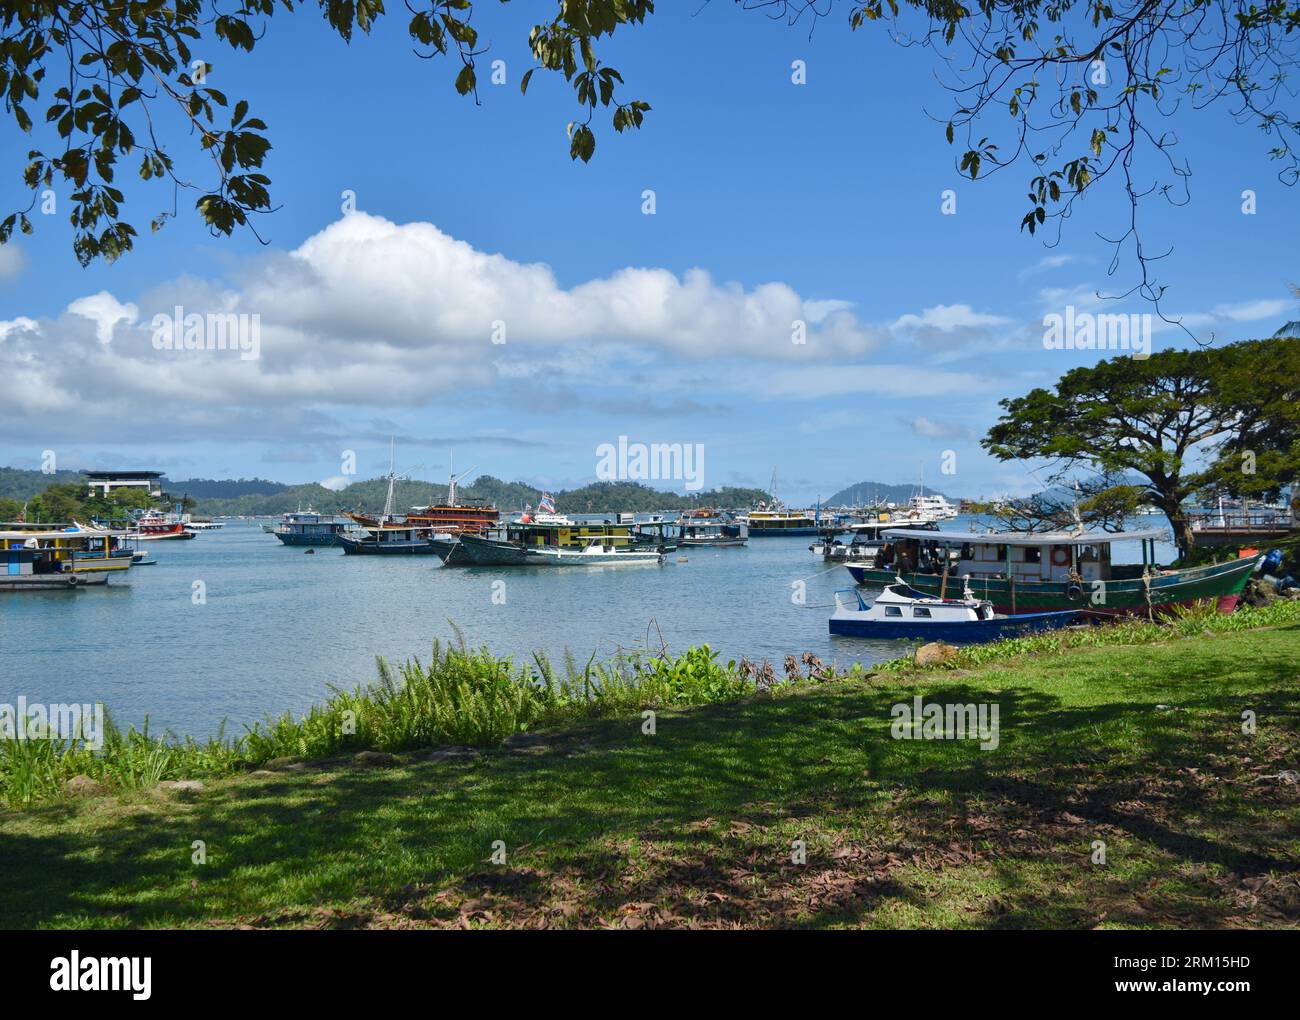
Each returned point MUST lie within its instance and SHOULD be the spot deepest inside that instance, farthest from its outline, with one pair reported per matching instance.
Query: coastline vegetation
(471, 697)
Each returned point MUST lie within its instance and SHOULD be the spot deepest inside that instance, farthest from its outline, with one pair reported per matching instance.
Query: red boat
(152, 526)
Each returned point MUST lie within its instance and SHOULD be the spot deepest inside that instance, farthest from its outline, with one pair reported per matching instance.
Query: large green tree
(1184, 420)
(1076, 91)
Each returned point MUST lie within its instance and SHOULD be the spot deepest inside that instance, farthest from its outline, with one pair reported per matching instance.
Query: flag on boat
(546, 504)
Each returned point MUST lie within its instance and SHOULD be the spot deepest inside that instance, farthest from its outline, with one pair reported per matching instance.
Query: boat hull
(318, 540)
(488, 552)
(758, 531)
(452, 553)
(963, 632)
(585, 559)
(353, 547)
(1223, 582)
(51, 582)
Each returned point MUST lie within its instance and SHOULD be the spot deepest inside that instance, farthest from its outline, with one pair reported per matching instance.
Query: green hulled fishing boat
(1029, 572)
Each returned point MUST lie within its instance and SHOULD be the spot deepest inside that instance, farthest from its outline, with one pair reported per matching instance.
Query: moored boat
(389, 541)
(512, 544)
(1046, 571)
(310, 528)
(595, 551)
(901, 612)
(36, 558)
(765, 523)
(711, 531)
(153, 526)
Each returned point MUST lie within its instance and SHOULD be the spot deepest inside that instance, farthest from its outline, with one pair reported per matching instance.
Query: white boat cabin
(1030, 556)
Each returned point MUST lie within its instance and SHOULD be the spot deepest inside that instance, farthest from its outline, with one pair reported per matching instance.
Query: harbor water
(233, 626)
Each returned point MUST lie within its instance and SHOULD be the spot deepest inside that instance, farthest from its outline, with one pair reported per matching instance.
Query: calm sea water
(279, 627)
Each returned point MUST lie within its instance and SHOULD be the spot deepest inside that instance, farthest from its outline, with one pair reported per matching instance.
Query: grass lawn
(1139, 747)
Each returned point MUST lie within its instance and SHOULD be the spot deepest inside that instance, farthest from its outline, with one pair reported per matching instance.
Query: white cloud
(413, 286)
(1242, 311)
(1046, 264)
(949, 319)
(929, 428)
(881, 380)
(12, 261)
(336, 482)
(106, 312)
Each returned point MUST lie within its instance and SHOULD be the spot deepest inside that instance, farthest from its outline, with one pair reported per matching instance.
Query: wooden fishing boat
(901, 612)
(49, 558)
(1022, 572)
(388, 541)
(310, 528)
(711, 531)
(510, 545)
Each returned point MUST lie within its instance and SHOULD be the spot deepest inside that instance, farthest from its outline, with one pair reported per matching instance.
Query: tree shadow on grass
(328, 840)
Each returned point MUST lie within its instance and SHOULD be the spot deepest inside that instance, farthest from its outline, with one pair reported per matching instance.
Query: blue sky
(772, 201)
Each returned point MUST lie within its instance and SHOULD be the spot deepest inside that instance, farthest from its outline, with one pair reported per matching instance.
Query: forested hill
(222, 488)
(864, 492)
(603, 497)
(15, 483)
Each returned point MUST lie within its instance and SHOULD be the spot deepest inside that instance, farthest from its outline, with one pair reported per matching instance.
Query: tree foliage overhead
(1184, 420)
(108, 77)
(1074, 90)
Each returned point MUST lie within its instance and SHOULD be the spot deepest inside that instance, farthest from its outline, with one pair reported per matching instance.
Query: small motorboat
(901, 611)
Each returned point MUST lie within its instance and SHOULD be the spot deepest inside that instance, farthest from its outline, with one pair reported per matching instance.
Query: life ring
(73, 580)
(1074, 593)
(1060, 556)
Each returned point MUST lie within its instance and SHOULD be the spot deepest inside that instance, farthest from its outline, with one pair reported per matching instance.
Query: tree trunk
(1181, 524)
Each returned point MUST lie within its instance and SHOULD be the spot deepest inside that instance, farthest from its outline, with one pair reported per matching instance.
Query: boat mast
(388, 503)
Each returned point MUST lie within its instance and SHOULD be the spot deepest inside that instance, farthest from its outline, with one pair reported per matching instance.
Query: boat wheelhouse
(1045, 571)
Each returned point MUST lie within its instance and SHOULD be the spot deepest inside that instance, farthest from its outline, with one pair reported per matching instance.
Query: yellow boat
(42, 557)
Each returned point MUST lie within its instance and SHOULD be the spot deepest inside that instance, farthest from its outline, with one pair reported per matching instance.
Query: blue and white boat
(310, 528)
(901, 612)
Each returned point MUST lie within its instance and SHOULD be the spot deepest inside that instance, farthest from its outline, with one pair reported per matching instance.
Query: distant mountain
(865, 492)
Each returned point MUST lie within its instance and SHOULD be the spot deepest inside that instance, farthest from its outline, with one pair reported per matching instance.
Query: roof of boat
(1028, 537)
(83, 533)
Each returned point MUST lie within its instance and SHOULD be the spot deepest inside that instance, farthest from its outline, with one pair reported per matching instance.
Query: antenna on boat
(453, 479)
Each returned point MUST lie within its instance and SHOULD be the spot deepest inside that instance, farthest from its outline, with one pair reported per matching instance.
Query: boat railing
(1244, 521)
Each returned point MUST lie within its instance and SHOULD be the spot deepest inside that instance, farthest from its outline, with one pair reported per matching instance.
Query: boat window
(921, 611)
(1033, 554)
(893, 611)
